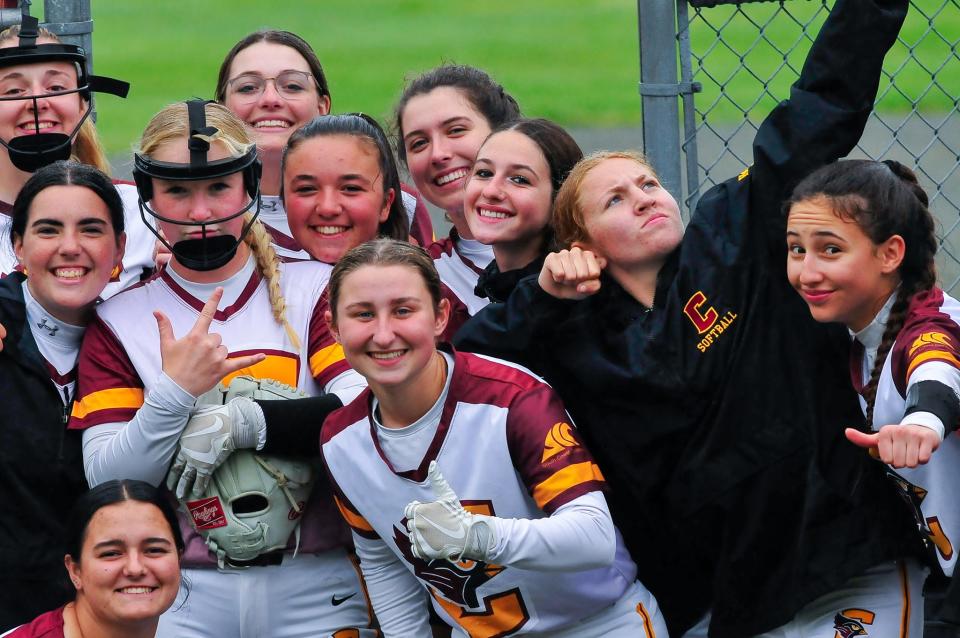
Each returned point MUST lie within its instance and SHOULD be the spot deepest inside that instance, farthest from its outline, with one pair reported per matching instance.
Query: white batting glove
(211, 434)
(443, 529)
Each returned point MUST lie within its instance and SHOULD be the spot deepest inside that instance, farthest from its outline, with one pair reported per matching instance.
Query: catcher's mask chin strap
(205, 252)
(37, 149)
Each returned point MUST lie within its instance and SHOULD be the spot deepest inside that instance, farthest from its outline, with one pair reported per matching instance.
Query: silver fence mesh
(736, 61)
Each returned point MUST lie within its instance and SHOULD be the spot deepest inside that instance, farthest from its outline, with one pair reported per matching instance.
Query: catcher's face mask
(203, 250)
(38, 147)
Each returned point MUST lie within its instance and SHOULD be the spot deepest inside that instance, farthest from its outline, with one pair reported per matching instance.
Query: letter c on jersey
(702, 319)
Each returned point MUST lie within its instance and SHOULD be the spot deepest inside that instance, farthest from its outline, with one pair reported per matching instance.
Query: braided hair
(883, 199)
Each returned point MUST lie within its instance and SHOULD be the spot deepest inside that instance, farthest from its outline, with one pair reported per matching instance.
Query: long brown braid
(884, 199)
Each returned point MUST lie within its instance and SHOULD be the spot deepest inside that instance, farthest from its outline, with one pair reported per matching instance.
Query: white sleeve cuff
(347, 386)
(925, 419)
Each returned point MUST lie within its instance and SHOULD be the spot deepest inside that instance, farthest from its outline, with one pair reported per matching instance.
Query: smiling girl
(44, 107)
(67, 231)
(860, 251)
(513, 535)
(274, 82)
(124, 563)
(509, 199)
(341, 186)
(442, 118)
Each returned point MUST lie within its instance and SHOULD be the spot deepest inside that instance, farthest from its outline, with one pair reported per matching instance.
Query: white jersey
(927, 348)
(137, 257)
(459, 274)
(506, 447)
(120, 361)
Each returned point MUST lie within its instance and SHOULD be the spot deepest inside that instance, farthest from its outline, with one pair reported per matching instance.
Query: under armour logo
(52, 330)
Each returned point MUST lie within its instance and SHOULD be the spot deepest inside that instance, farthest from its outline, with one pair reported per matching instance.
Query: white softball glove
(225, 420)
(443, 529)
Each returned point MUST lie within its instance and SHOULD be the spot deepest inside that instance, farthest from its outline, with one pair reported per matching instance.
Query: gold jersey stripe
(932, 355)
(324, 358)
(282, 369)
(112, 399)
(564, 479)
(353, 520)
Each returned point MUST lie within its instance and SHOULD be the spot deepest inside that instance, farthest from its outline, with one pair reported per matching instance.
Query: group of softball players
(571, 416)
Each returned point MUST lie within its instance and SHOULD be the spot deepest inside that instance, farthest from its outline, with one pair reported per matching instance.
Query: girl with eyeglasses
(274, 82)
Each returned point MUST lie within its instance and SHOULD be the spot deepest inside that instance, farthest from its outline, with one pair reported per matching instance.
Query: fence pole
(71, 21)
(659, 90)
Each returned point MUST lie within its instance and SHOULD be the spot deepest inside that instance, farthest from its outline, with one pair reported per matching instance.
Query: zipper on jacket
(66, 406)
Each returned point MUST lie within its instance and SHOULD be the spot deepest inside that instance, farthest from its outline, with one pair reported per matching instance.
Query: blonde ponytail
(260, 245)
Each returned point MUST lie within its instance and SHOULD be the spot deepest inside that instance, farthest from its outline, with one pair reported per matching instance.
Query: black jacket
(496, 285)
(41, 472)
(723, 442)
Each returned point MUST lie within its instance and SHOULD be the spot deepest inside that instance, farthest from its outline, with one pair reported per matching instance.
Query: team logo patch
(705, 318)
(558, 439)
(850, 622)
(207, 513)
(928, 339)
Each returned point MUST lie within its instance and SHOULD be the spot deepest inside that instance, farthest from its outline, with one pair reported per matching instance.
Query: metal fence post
(659, 90)
(71, 21)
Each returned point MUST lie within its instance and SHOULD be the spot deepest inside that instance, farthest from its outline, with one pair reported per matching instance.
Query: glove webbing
(282, 481)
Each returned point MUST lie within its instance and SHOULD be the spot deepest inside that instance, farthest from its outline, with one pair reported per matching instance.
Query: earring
(22, 269)
(115, 273)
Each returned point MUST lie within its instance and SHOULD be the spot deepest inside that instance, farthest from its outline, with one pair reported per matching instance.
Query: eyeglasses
(290, 85)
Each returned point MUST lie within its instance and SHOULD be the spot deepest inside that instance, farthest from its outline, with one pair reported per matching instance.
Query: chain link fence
(737, 60)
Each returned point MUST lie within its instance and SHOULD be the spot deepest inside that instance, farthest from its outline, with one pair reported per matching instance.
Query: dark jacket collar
(497, 286)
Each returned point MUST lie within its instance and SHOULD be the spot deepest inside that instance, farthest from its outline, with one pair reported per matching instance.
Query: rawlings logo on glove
(245, 504)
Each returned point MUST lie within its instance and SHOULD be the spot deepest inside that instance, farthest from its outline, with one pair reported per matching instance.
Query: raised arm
(829, 104)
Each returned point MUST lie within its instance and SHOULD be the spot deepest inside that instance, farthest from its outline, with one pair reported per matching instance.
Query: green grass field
(575, 61)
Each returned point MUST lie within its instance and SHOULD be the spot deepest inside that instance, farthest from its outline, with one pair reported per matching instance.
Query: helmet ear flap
(251, 178)
(144, 184)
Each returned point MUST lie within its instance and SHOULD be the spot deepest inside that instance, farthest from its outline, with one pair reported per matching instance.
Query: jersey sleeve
(547, 451)
(326, 355)
(109, 390)
(929, 335)
(398, 599)
(519, 330)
